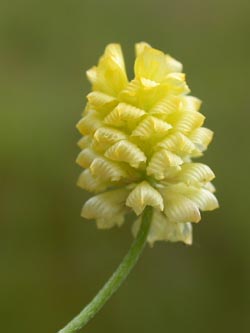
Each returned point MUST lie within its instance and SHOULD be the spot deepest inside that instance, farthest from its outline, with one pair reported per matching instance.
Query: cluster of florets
(139, 141)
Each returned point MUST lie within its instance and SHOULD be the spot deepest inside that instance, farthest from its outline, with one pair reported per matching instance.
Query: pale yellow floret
(178, 143)
(165, 106)
(151, 126)
(139, 139)
(90, 183)
(84, 142)
(107, 170)
(179, 208)
(102, 102)
(109, 76)
(125, 151)
(123, 115)
(144, 195)
(164, 230)
(107, 208)
(176, 83)
(189, 103)
(89, 123)
(105, 137)
(160, 162)
(192, 173)
(186, 122)
(203, 198)
(86, 157)
(201, 137)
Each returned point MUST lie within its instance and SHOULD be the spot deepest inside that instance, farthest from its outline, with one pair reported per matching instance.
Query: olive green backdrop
(51, 261)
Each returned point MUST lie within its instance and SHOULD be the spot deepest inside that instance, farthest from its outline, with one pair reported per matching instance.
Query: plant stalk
(116, 279)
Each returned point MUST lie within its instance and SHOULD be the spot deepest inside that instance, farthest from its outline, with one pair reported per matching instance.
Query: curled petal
(173, 65)
(165, 106)
(210, 187)
(109, 76)
(104, 137)
(126, 151)
(90, 183)
(102, 102)
(178, 143)
(86, 157)
(107, 170)
(150, 64)
(150, 126)
(84, 142)
(123, 114)
(192, 173)
(204, 199)
(179, 208)
(160, 162)
(201, 137)
(107, 208)
(186, 121)
(89, 123)
(144, 195)
(190, 103)
(177, 83)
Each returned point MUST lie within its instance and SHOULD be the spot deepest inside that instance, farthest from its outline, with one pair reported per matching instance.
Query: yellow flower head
(139, 139)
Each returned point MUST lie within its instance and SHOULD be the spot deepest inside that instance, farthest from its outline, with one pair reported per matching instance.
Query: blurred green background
(52, 262)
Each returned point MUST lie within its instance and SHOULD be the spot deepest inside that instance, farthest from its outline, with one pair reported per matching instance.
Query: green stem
(116, 279)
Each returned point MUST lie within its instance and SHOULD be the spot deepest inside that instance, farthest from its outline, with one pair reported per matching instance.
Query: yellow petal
(210, 187)
(147, 84)
(107, 170)
(90, 183)
(107, 208)
(102, 102)
(186, 121)
(192, 173)
(165, 106)
(150, 126)
(109, 76)
(104, 137)
(86, 157)
(204, 199)
(201, 137)
(177, 143)
(173, 65)
(144, 195)
(190, 103)
(89, 123)
(178, 208)
(139, 47)
(144, 93)
(125, 151)
(150, 64)
(177, 83)
(84, 142)
(123, 115)
(160, 162)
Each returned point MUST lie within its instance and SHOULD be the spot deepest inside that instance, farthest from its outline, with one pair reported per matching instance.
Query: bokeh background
(51, 261)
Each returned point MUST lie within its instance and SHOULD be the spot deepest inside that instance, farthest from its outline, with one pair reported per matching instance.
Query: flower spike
(139, 141)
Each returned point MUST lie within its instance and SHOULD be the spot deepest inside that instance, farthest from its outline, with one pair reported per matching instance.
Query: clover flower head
(139, 141)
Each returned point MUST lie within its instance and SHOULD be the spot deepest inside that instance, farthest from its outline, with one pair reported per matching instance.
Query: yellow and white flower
(139, 139)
